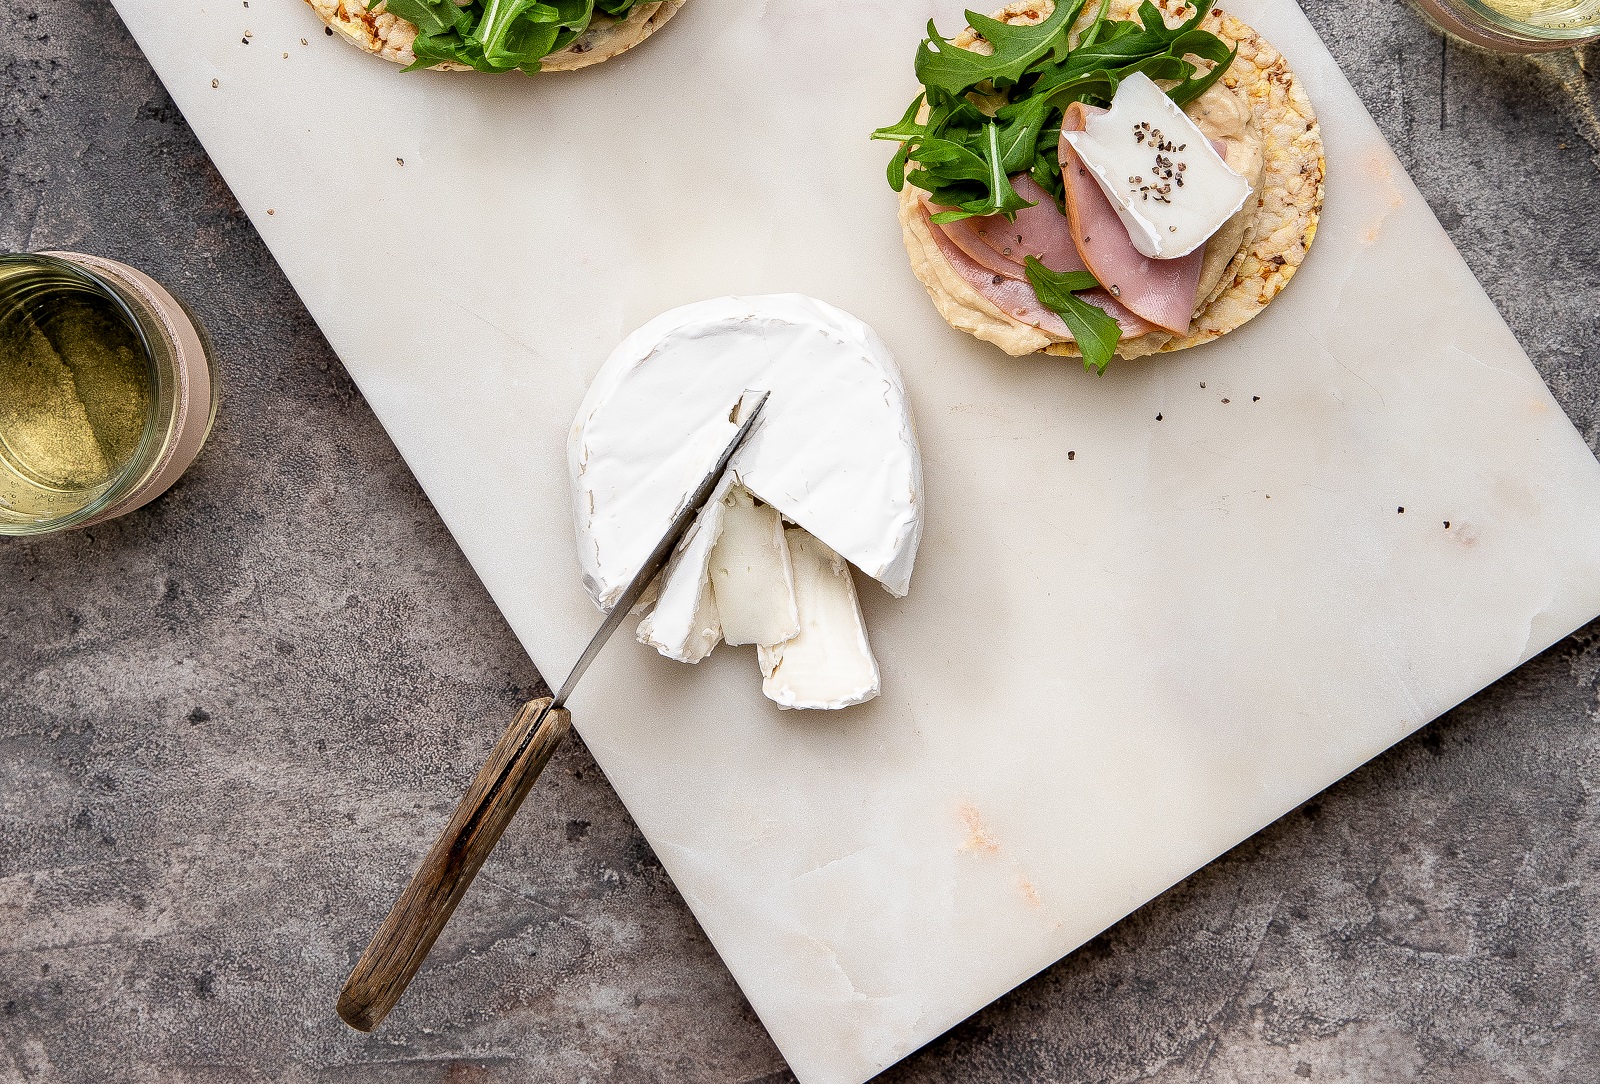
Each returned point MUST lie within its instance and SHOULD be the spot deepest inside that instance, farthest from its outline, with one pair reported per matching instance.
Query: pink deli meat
(1161, 291)
(975, 247)
(966, 237)
(1014, 298)
(1040, 231)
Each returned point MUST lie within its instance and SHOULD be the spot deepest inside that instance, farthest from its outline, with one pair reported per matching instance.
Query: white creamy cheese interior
(829, 664)
(1168, 184)
(751, 576)
(834, 450)
(685, 624)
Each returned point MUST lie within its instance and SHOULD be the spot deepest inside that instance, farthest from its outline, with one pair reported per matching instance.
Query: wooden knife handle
(402, 942)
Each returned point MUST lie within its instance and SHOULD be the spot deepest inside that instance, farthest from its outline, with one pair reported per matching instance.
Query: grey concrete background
(229, 724)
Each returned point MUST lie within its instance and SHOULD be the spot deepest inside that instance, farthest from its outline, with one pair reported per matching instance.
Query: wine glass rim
(1508, 24)
(120, 482)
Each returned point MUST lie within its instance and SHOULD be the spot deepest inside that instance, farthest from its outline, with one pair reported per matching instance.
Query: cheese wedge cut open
(831, 469)
(686, 622)
(828, 663)
(751, 577)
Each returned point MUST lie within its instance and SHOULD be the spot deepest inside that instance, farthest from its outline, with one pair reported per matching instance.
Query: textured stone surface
(229, 724)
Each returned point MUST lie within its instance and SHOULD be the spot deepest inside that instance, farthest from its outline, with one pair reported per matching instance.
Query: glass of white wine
(107, 390)
(1517, 26)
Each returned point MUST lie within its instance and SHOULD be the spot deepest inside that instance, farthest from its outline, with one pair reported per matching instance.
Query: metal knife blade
(663, 549)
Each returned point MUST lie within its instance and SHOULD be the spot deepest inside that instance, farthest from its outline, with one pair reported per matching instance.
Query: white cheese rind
(685, 624)
(751, 576)
(829, 664)
(1162, 225)
(834, 451)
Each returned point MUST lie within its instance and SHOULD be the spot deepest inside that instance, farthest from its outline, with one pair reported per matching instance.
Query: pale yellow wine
(1558, 14)
(74, 395)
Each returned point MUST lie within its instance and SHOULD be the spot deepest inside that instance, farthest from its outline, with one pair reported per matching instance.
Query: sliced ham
(1040, 231)
(965, 236)
(1013, 294)
(1014, 298)
(1161, 291)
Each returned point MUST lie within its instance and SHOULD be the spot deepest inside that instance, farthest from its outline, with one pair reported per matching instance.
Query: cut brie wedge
(686, 624)
(1169, 186)
(834, 454)
(751, 576)
(829, 664)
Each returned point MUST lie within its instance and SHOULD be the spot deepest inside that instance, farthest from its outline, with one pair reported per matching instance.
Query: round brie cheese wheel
(834, 450)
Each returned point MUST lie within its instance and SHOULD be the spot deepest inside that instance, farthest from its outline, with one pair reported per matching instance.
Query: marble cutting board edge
(1193, 624)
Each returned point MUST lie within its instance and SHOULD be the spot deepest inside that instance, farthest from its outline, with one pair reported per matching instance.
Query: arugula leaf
(1092, 33)
(429, 16)
(1003, 35)
(1190, 89)
(956, 70)
(1046, 171)
(962, 164)
(1069, 281)
(1003, 199)
(1100, 85)
(953, 161)
(1019, 142)
(908, 127)
(906, 132)
(510, 30)
(1121, 57)
(1095, 331)
(1120, 30)
(1129, 39)
(1203, 44)
(953, 111)
(1166, 66)
(498, 35)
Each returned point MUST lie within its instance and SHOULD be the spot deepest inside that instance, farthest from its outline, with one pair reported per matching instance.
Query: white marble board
(1113, 665)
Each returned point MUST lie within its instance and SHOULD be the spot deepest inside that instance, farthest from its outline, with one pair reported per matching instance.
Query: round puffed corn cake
(1262, 112)
(390, 36)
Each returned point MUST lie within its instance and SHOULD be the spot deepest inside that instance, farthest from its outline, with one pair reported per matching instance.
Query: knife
(397, 950)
